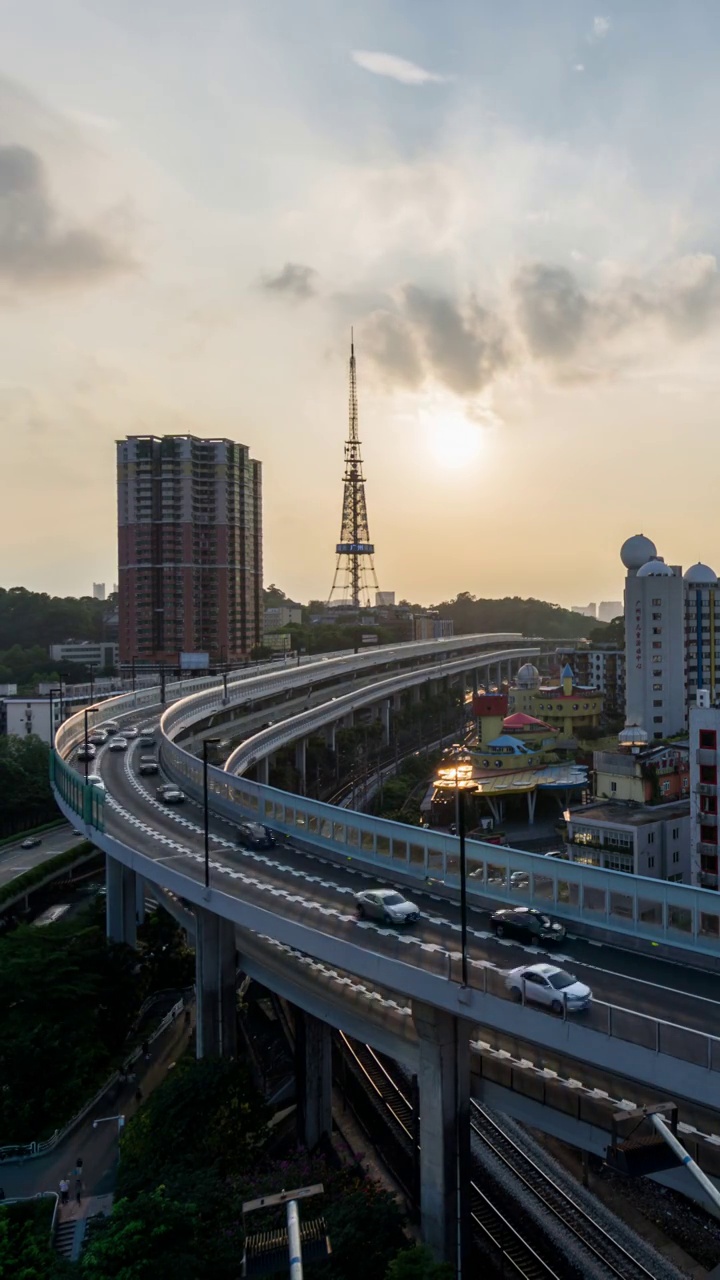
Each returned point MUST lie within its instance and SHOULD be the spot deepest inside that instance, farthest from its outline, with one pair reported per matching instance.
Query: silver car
(386, 905)
(547, 985)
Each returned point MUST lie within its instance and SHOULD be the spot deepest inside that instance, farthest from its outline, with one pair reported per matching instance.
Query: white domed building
(672, 638)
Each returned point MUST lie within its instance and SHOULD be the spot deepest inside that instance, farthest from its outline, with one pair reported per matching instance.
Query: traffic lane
(15, 861)
(438, 925)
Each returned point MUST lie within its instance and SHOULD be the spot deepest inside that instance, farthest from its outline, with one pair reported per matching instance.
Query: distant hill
(512, 613)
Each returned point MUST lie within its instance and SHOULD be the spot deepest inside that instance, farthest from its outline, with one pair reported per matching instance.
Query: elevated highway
(290, 915)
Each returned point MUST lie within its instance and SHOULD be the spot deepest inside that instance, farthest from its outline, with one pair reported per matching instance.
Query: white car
(546, 984)
(386, 905)
(118, 744)
(130, 732)
(94, 780)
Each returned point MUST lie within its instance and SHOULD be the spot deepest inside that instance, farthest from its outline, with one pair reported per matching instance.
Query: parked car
(30, 842)
(547, 985)
(94, 780)
(387, 905)
(170, 794)
(148, 764)
(528, 924)
(254, 835)
(118, 744)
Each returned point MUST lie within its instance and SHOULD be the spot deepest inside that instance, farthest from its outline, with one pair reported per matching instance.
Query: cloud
(600, 28)
(36, 250)
(552, 309)
(430, 337)
(295, 280)
(579, 66)
(387, 64)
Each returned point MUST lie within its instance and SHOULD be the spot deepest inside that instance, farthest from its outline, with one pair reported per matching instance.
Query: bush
(44, 871)
(152, 1237)
(418, 1264)
(26, 1252)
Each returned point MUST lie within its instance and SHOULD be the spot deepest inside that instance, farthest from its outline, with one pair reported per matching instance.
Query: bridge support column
(120, 903)
(262, 770)
(313, 1076)
(386, 718)
(444, 1092)
(415, 694)
(330, 731)
(301, 763)
(139, 899)
(216, 982)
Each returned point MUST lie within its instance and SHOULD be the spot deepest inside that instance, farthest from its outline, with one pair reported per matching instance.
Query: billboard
(369, 639)
(194, 661)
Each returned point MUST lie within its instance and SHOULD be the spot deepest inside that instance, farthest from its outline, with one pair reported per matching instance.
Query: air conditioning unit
(703, 698)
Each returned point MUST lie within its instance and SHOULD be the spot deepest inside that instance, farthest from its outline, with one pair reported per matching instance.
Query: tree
(610, 633)
(25, 1249)
(365, 1225)
(418, 1264)
(151, 1237)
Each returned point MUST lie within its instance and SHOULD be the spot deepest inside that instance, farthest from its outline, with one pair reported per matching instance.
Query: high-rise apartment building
(672, 621)
(609, 609)
(704, 731)
(189, 549)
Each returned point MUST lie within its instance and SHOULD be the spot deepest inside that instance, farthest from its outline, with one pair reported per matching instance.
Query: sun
(452, 440)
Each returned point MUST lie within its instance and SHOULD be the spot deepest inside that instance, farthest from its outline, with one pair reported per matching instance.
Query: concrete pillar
(262, 770)
(531, 802)
(385, 715)
(330, 732)
(416, 694)
(139, 899)
(313, 1077)
(120, 902)
(444, 1093)
(301, 763)
(216, 982)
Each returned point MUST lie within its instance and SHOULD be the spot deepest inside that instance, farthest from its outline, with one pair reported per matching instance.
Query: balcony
(708, 881)
(704, 755)
(707, 819)
(706, 849)
(706, 789)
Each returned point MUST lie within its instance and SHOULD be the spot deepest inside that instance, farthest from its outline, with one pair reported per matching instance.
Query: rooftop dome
(701, 575)
(632, 736)
(655, 569)
(636, 551)
(528, 677)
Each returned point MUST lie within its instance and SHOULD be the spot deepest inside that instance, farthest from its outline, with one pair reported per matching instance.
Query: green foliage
(167, 960)
(512, 613)
(151, 1237)
(30, 618)
(25, 794)
(418, 1264)
(45, 871)
(67, 997)
(365, 1226)
(207, 1116)
(611, 633)
(25, 1249)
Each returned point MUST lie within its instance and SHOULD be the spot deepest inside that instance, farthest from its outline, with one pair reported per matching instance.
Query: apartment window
(708, 835)
(657, 672)
(657, 688)
(708, 739)
(613, 787)
(675, 833)
(708, 773)
(651, 862)
(676, 856)
(657, 702)
(651, 838)
(658, 720)
(657, 631)
(657, 644)
(656, 600)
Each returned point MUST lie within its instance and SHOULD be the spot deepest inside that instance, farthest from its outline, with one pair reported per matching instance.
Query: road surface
(14, 861)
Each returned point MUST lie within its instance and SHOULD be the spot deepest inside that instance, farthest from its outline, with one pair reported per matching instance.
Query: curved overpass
(353, 973)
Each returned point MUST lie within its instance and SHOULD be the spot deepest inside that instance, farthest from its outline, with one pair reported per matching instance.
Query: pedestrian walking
(146, 1049)
(79, 1167)
(64, 1188)
(78, 1189)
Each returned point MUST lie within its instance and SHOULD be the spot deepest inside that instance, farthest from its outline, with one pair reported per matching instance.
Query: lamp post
(92, 682)
(51, 695)
(224, 679)
(85, 744)
(460, 823)
(207, 742)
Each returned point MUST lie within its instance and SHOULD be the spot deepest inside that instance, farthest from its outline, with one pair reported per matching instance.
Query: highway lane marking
(440, 921)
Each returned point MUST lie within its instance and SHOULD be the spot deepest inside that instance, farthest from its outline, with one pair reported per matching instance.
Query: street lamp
(51, 695)
(85, 744)
(460, 824)
(207, 742)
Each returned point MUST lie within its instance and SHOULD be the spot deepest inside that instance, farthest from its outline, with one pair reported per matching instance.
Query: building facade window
(708, 739)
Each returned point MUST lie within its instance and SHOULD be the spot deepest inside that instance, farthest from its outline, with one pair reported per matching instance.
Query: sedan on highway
(86, 751)
(111, 726)
(118, 744)
(528, 924)
(30, 842)
(254, 835)
(148, 764)
(130, 732)
(98, 737)
(386, 905)
(547, 985)
(170, 794)
(94, 780)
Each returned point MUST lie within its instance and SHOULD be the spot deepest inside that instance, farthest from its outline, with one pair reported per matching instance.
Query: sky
(515, 206)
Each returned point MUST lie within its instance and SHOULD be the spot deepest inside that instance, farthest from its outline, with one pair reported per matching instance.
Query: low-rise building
(428, 626)
(601, 667)
(642, 840)
(645, 775)
(283, 615)
(568, 706)
(86, 653)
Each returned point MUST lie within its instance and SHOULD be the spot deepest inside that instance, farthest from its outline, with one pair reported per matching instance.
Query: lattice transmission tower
(354, 570)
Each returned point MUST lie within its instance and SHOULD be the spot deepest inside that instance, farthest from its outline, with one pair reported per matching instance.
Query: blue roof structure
(517, 747)
(567, 672)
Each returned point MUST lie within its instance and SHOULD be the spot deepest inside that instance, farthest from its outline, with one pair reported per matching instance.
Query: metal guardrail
(30, 1150)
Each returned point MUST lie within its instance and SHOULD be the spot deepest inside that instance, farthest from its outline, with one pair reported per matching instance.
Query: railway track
(610, 1256)
(517, 1249)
